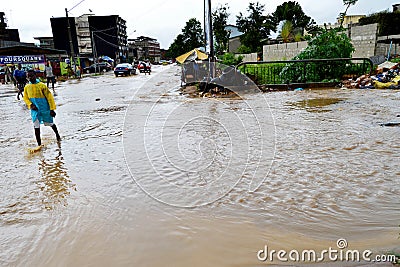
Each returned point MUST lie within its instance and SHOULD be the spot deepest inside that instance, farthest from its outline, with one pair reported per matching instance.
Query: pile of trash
(387, 76)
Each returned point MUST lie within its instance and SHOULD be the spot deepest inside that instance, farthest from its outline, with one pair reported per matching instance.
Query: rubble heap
(387, 76)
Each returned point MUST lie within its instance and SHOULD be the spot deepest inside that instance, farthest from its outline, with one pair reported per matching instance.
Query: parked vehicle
(164, 62)
(124, 69)
(97, 67)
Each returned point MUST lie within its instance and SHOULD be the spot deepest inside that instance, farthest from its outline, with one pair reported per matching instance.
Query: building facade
(92, 36)
(109, 37)
(147, 48)
(84, 38)
(45, 42)
(348, 20)
(234, 38)
(59, 27)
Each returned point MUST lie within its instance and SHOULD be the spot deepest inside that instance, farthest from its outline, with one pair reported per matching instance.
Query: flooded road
(148, 177)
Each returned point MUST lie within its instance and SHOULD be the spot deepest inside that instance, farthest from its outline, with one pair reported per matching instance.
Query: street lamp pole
(71, 46)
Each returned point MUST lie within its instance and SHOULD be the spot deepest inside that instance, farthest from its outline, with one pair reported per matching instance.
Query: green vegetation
(293, 13)
(330, 44)
(190, 38)
(287, 31)
(264, 73)
(256, 27)
(327, 45)
(230, 59)
(219, 21)
(348, 4)
(388, 22)
(395, 60)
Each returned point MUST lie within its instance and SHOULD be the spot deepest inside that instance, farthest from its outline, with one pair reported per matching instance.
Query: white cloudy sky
(160, 19)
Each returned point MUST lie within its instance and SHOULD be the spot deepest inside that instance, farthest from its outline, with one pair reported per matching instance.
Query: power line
(111, 44)
(96, 30)
(103, 32)
(76, 5)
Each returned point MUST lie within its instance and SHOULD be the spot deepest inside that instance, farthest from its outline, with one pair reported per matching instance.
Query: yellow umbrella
(192, 55)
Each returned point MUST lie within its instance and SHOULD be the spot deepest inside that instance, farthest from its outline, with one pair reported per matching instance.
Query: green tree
(242, 49)
(293, 12)
(388, 22)
(190, 38)
(220, 17)
(287, 31)
(256, 27)
(332, 43)
(348, 4)
(176, 48)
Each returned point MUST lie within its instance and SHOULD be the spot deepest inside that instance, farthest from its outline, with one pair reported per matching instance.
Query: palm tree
(287, 31)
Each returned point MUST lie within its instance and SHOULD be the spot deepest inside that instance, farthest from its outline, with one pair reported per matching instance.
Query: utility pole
(71, 46)
(94, 51)
(210, 37)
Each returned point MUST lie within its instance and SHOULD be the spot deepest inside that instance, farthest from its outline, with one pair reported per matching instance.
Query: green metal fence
(273, 73)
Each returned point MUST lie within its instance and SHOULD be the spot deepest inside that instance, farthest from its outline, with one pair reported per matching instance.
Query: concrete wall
(363, 38)
(284, 51)
(383, 49)
(249, 57)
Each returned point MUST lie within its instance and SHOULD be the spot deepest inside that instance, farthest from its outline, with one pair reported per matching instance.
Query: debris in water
(390, 124)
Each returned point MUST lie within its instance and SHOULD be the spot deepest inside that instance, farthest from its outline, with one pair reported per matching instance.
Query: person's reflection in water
(55, 182)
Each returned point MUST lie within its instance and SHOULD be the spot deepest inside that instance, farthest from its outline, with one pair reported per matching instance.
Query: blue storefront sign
(36, 62)
(29, 59)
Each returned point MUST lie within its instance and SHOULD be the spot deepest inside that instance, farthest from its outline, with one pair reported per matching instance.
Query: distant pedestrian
(78, 72)
(50, 76)
(12, 69)
(147, 67)
(40, 101)
(20, 78)
(7, 74)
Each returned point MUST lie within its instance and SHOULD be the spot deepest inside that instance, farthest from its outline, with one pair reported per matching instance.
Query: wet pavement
(146, 176)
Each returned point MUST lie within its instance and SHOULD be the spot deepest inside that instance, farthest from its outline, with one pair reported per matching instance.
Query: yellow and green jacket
(38, 94)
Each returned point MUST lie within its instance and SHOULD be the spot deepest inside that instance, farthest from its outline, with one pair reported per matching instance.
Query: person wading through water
(48, 70)
(20, 78)
(40, 101)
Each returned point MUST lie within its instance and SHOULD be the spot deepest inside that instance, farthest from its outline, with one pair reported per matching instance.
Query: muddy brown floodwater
(146, 176)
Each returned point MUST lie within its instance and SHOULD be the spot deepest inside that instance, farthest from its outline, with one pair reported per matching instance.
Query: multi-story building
(45, 42)
(61, 33)
(349, 19)
(109, 37)
(5, 33)
(147, 48)
(92, 36)
(133, 50)
(84, 35)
